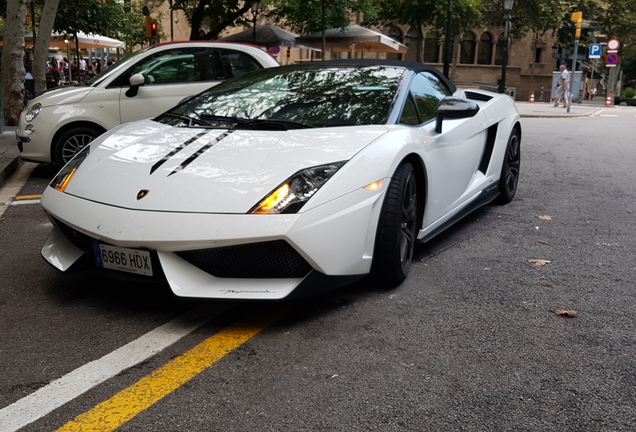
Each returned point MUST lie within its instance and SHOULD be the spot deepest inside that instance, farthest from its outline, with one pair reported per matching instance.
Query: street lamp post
(254, 14)
(507, 15)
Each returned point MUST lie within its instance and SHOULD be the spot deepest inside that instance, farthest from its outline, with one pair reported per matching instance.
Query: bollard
(532, 97)
(608, 102)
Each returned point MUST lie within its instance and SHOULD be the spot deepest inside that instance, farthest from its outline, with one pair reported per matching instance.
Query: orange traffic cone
(608, 102)
(532, 98)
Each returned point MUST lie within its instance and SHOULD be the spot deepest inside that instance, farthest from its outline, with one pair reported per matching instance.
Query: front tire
(397, 228)
(71, 142)
(510, 169)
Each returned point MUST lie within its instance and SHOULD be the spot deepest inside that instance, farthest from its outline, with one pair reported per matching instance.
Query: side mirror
(454, 108)
(136, 81)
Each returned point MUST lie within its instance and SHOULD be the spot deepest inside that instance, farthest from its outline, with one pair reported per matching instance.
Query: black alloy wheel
(510, 169)
(397, 228)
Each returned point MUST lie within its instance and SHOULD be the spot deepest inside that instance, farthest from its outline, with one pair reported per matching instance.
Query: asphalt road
(470, 342)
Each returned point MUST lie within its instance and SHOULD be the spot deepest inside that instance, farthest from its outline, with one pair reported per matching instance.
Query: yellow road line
(26, 197)
(110, 414)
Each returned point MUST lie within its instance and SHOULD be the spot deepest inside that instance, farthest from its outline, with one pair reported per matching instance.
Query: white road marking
(11, 189)
(609, 115)
(63, 390)
(27, 201)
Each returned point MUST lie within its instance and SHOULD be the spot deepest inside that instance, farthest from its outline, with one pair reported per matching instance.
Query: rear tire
(510, 169)
(397, 228)
(71, 142)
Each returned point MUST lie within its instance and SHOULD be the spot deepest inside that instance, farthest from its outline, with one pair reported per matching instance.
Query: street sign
(595, 51)
(613, 44)
(611, 60)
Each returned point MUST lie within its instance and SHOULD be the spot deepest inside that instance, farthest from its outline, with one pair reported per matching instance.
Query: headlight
(292, 194)
(63, 178)
(32, 112)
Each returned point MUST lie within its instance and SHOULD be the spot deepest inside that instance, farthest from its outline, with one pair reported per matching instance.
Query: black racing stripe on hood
(176, 150)
(199, 152)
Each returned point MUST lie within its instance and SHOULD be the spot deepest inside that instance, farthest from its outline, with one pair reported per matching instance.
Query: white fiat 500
(286, 181)
(57, 124)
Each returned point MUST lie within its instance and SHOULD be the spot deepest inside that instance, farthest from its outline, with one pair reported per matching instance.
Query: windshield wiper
(278, 124)
(188, 120)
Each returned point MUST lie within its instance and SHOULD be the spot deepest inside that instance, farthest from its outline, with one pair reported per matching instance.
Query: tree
(313, 16)
(215, 14)
(41, 45)
(13, 61)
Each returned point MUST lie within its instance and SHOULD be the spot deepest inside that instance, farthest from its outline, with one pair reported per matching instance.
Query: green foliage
(305, 16)
(628, 93)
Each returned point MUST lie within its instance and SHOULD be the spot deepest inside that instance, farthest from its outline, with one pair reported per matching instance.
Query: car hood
(205, 170)
(62, 96)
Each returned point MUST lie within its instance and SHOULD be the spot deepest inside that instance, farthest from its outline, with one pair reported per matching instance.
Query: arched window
(395, 34)
(413, 42)
(431, 47)
(467, 48)
(484, 55)
(501, 44)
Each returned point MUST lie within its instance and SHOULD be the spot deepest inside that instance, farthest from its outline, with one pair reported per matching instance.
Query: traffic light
(153, 29)
(148, 26)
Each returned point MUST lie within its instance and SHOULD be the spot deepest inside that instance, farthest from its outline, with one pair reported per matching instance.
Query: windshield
(312, 96)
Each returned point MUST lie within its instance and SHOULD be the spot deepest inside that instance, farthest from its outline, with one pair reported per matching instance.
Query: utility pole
(578, 18)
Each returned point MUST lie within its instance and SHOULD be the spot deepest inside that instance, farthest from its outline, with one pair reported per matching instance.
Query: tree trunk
(13, 62)
(41, 46)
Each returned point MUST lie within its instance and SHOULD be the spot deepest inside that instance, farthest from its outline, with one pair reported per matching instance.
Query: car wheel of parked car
(510, 169)
(397, 228)
(71, 142)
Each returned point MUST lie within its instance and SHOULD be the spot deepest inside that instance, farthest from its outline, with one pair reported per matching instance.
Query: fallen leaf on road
(543, 243)
(539, 262)
(566, 313)
(545, 217)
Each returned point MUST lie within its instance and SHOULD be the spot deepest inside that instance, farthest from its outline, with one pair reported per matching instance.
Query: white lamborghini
(286, 181)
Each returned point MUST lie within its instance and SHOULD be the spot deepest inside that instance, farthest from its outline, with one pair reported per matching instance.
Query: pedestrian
(82, 66)
(562, 85)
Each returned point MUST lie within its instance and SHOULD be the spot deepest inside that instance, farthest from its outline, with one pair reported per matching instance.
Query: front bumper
(335, 239)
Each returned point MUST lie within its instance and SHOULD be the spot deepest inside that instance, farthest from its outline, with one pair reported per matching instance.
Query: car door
(452, 156)
(172, 75)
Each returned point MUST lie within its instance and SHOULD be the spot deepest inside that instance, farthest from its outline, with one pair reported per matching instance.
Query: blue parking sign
(595, 51)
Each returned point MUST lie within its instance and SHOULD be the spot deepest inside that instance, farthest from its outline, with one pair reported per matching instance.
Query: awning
(353, 39)
(85, 41)
(266, 35)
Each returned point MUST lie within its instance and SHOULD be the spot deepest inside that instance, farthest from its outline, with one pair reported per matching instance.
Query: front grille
(275, 259)
(79, 240)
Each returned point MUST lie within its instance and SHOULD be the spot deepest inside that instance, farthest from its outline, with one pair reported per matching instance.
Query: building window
(501, 44)
(467, 48)
(395, 34)
(431, 47)
(413, 42)
(484, 55)
(538, 54)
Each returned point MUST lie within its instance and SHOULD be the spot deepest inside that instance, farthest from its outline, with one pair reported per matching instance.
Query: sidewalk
(9, 155)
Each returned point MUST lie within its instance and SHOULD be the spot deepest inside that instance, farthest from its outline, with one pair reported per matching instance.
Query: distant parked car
(60, 122)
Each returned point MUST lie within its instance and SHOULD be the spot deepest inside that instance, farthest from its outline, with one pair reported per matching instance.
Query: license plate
(123, 259)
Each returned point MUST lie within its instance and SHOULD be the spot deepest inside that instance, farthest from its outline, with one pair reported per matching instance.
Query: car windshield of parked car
(114, 68)
(303, 95)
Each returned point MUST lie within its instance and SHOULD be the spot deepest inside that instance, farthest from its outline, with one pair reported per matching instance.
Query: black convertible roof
(416, 67)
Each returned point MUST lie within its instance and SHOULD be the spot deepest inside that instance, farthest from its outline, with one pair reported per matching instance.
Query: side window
(409, 113)
(237, 63)
(168, 70)
(427, 90)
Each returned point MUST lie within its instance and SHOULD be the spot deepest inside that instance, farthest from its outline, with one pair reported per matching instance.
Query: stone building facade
(478, 58)
(478, 54)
